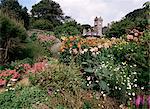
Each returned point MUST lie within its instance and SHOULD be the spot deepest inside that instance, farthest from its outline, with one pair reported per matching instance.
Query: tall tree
(48, 9)
(15, 10)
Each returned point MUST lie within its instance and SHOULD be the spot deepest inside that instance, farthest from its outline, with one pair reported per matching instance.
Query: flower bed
(20, 70)
(114, 67)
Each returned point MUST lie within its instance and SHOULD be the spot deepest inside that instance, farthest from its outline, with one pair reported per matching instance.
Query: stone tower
(98, 26)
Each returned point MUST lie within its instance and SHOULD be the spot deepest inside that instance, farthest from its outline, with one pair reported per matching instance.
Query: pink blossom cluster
(141, 100)
(37, 67)
(8, 74)
(45, 38)
(13, 75)
(134, 35)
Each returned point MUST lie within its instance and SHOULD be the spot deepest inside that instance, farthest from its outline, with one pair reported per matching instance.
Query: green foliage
(35, 50)
(59, 77)
(11, 36)
(22, 97)
(15, 10)
(42, 24)
(68, 29)
(136, 19)
(48, 9)
(87, 105)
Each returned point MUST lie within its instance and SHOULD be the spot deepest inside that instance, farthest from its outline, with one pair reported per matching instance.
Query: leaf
(89, 70)
(103, 85)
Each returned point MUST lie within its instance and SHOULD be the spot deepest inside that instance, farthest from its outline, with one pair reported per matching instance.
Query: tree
(42, 24)
(48, 9)
(12, 33)
(15, 10)
(70, 28)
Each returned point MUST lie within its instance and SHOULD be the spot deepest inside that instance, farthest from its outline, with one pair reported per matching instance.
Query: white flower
(129, 87)
(119, 88)
(104, 95)
(90, 82)
(134, 65)
(142, 88)
(96, 81)
(129, 93)
(89, 78)
(130, 98)
(135, 85)
(134, 73)
(135, 80)
(100, 46)
(93, 54)
(97, 53)
(82, 52)
(133, 94)
(116, 87)
(102, 92)
(108, 84)
(85, 50)
(9, 85)
(123, 63)
(131, 66)
(88, 85)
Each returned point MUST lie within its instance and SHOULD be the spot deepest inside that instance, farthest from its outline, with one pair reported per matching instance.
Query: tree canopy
(15, 10)
(48, 9)
(69, 28)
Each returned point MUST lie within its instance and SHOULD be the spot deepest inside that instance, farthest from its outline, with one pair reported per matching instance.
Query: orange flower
(79, 45)
(71, 38)
(70, 45)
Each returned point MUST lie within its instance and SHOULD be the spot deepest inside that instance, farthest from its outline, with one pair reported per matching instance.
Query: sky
(84, 11)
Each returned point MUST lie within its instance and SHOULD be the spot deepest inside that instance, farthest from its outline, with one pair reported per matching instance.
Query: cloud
(84, 11)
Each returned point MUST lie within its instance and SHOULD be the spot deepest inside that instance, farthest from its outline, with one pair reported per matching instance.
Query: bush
(22, 97)
(42, 24)
(11, 36)
(63, 84)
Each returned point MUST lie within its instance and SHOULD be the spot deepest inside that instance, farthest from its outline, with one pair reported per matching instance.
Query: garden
(50, 65)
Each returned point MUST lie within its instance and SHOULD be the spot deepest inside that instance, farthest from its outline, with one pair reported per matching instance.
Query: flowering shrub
(115, 67)
(77, 46)
(20, 70)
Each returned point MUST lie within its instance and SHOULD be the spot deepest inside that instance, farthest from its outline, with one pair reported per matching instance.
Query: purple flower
(50, 90)
(148, 101)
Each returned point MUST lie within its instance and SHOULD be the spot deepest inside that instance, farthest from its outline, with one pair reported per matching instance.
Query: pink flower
(137, 101)
(148, 101)
(130, 37)
(16, 76)
(26, 66)
(2, 82)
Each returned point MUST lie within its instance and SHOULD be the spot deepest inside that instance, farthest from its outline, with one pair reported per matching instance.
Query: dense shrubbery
(70, 28)
(42, 24)
(11, 36)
